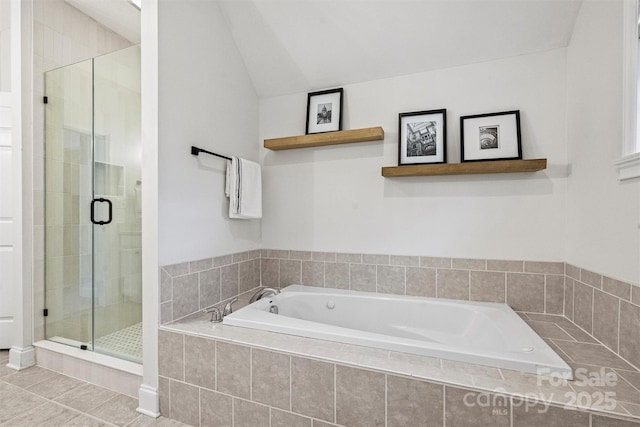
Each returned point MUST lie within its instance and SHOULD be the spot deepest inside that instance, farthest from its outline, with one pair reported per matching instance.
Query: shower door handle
(93, 204)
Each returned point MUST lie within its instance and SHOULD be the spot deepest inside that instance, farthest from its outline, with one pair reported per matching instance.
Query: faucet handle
(228, 308)
(216, 316)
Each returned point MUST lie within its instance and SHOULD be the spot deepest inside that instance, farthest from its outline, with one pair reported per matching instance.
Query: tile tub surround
(524, 285)
(222, 375)
(189, 287)
(607, 308)
(529, 286)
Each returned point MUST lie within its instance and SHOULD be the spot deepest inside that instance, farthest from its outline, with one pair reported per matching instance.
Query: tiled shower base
(606, 391)
(126, 343)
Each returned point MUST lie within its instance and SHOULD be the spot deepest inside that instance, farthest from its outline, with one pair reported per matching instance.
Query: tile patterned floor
(40, 397)
(126, 342)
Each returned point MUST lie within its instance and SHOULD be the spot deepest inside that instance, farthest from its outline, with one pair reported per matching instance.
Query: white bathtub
(488, 334)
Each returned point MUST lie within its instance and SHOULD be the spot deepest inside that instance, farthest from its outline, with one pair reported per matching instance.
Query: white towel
(244, 188)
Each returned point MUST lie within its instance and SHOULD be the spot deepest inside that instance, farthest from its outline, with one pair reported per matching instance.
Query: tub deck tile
(632, 377)
(632, 409)
(471, 369)
(592, 354)
(607, 380)
(574, 345)
(549, 330)
(576, 333)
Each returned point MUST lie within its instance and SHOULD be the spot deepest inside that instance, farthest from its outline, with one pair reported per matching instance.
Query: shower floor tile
(126, 342)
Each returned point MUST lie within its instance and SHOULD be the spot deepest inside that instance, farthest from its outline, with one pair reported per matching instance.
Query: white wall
(334, 198)
(206, 99)
(603, 213)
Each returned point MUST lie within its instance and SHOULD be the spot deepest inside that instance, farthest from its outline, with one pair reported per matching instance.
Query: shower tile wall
(61, 35)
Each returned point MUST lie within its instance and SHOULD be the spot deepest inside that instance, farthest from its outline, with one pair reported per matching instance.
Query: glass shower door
(68, 193)
(117, 246)
(93, 280)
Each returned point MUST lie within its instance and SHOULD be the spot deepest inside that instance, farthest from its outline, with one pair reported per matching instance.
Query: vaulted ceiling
(301, 45)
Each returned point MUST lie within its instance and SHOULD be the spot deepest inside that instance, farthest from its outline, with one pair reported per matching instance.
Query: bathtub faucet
(228, 309)
(217, 314)
(263, 293)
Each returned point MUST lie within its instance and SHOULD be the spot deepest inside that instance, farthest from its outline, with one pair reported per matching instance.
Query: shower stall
(93, 292)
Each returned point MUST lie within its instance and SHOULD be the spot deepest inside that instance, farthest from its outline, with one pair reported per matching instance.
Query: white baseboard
(21, 358)
(149, 401)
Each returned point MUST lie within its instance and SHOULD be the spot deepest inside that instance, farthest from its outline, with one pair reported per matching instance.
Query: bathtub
(482, 333)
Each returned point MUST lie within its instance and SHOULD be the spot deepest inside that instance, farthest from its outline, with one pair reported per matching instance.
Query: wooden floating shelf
(467, 168)
(326, 138)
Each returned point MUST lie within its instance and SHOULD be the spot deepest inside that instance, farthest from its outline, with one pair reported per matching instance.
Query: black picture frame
(492, 136)
(422, 137)
(321, 111)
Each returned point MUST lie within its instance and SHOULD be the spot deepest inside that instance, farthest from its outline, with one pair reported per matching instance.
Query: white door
(6, 225)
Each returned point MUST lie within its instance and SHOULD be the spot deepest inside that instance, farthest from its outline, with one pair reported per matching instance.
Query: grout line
(238, 281)
(323, 273)
(219, 285)
(215, 364)
(233, 411)
(544, 295)
(335, 394)
(593, 305)
(444, 405)
(199, 292)
(251, 373)
(405, 281)
(511, 415)
(386, 399)
(199, 406)
(564, 296)
(573, 302)
(290, 383)
(618, 328)
(169, 395)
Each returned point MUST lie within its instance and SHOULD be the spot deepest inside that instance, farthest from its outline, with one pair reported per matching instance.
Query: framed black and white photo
(494, 136)
(324, 111)
(422, 137)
